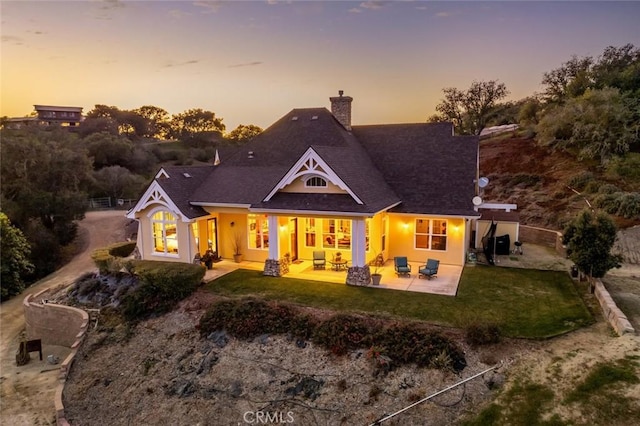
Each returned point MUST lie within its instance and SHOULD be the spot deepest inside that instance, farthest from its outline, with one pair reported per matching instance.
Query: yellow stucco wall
(402, 240)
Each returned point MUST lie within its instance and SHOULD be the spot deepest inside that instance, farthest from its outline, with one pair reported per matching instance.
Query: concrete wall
(616, 318)
(56, 325)
(543, 237)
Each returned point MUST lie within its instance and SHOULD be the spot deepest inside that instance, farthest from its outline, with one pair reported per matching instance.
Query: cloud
(370, 5)
(208, 6)
(373, 4)
(444, 14)
(171, 64)
(112, 4)
(12, 39)
(246, 64)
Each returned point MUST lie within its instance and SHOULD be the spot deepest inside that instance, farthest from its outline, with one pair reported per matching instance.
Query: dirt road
(27, 392)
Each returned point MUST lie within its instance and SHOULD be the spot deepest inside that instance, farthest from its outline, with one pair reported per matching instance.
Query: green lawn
(523, 302)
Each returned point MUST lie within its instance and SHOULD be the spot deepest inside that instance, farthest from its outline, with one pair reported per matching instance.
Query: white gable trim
(156, 195)
(310, 163)
(161, 173)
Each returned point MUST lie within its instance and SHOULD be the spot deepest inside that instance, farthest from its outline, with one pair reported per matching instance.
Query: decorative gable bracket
(310, 163)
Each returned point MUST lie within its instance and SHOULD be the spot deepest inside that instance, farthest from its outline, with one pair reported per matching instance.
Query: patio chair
(319, 260)
(401, 265)
(429, 270)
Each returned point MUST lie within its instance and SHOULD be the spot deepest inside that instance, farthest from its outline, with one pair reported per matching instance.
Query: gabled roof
(430, 169)
(178, 183)
(405, 168)
(252, 173)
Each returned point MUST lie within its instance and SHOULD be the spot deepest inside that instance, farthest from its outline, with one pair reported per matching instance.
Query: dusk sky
(251, 62)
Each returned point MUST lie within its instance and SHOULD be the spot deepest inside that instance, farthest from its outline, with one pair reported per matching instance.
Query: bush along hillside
(388, 343)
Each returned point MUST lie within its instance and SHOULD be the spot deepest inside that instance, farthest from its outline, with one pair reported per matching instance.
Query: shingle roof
(418, 168)
(249, 179)
(431, 170)
(180, 184)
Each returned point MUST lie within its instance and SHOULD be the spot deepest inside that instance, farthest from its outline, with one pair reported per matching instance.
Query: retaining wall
(56, 325)
(610, 310)
(542, 237)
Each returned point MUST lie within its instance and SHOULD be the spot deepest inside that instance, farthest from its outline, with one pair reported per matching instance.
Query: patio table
(339, 265)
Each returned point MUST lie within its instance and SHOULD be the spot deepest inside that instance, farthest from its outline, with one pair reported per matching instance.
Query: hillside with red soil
(536, 179)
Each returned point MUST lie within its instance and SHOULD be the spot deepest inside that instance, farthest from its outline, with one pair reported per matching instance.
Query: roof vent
(315, 117)
(250, 154)
(294, 118)
(187, 175)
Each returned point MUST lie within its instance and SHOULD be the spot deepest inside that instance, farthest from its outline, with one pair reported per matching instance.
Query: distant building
(49, 115)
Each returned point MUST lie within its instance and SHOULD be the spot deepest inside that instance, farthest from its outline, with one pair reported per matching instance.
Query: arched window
(315, 182)
(165, 232)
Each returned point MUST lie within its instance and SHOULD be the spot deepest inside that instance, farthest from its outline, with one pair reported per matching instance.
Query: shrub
(482, 334)
(608, 188)
(247, 318)
(409, 343)
(402, 343)
(162, 286)
(610, 203)
(108, 259)
(580, 181)
(344, 332)
(525, 179)
(629, 205)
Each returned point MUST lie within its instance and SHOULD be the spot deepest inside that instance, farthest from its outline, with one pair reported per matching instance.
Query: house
(313, 181)
(49, 115)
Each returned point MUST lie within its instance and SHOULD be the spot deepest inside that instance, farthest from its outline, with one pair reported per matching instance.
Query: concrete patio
(445, 283)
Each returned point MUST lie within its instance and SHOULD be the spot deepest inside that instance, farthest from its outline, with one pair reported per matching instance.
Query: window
(258, 232)
(336, 233)
(431, 234)
(310, 232)
(165, 233)
(315, 182)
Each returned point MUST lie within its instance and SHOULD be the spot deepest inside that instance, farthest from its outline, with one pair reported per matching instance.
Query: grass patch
(601, 396)
(605, 375)
(522, 302)
(526, 405)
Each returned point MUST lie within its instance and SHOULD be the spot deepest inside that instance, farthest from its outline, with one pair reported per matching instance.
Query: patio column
(358, 247)
(358, 273)
(274, 266)
(274, 237)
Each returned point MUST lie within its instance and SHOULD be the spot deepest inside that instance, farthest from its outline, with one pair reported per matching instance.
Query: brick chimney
(341, 109)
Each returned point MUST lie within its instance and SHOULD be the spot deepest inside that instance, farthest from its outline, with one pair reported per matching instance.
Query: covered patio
(446, 283)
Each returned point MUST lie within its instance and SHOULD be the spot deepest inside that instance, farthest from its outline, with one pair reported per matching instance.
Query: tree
(469, 110)
(45, 175)
(129, 123)
(118, 182)
(158, 120)
(599, 124)
(244, 133)
(589, 238)
(14, 255)
(108, 150)
(617, 67)
(572, 79)
(195, 122)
